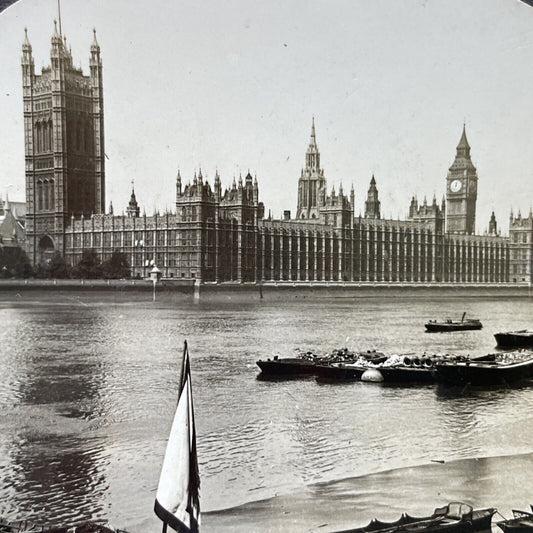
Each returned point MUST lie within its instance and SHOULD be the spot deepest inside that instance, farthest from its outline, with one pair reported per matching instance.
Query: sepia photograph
(266, 266)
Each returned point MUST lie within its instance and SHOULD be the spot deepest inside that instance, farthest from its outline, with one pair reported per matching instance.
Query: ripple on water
(89, 391)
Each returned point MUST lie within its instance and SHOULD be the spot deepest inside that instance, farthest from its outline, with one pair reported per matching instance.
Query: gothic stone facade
(521, 248)
(64, 142)
(217, 236)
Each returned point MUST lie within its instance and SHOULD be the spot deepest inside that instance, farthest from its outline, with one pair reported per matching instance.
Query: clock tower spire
(461, 191)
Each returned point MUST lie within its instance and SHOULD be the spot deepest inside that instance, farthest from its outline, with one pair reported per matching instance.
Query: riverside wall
(274, 289)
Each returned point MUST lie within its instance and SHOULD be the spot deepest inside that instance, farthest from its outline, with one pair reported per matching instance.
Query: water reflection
(49, 472)
(90, 388)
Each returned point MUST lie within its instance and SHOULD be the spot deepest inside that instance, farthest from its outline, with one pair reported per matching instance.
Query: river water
(89, 390)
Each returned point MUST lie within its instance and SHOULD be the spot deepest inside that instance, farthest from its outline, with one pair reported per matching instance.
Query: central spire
(312, 141)
(312, 157)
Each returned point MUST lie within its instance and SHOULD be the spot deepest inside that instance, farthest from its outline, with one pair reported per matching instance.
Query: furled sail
(177, 501)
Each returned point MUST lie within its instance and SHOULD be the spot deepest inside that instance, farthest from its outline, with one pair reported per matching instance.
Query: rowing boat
(453, 518)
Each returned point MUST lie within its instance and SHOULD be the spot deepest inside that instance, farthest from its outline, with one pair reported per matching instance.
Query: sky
(232, 85)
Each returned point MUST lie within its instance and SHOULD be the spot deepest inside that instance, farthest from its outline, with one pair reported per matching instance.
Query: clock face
(456, 185)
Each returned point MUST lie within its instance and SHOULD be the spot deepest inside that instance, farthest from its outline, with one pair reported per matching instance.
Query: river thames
(89, 385)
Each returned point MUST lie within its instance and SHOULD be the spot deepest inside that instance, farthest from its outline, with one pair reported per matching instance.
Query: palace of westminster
(217, 235)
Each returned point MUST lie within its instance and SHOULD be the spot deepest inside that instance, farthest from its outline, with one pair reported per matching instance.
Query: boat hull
(482, 373)
(406, 374)
(441, 327)
(476, 521)
(287, 366)
(514, 339)
(516, 525)
(340, 372)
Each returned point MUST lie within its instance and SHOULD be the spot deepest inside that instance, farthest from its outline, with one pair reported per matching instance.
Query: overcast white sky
(234, 84)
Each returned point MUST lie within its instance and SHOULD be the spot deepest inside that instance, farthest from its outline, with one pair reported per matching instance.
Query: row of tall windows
(81, 137)
(45, 195)
(43, 136)
(308, 194)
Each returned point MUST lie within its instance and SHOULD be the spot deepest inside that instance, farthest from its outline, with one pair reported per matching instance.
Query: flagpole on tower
(59, 15)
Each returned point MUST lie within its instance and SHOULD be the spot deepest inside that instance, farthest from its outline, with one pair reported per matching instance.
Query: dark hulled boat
(22, 526)
(396, 369)
(522, 522)
(340, 371)
(504, 369)
(287, 366)
(407, 374)
(515, 339)
(453, 518)
(308, 363)
(453, 325)
(401, 373)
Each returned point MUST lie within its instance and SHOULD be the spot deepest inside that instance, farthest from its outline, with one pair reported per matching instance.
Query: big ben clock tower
(461, 191)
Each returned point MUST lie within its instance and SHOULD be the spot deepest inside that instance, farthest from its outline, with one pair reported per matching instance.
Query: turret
(372, 204)
(493, 226)
(218, 187)
(413, 208)
(178, 184)
(97, 85)
(312, 158)
(28, 68)
(133, 209)
(256, 190)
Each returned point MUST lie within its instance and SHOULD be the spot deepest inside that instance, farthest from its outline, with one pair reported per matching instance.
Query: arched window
(39, 195)
(45, 136)
(52, 195)
(45, 196)
(38, 137)
(50, 135)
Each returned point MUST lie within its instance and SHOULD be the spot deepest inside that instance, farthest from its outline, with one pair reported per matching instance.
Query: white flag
(177, 501)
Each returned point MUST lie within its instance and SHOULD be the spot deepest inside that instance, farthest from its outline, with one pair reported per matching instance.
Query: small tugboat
(453, 518)
(501, 368)
(453, 325)
(515, 339)
(522, 522)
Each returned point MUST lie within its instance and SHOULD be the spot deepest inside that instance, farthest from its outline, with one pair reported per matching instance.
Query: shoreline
(496, 481)
(265, 290)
